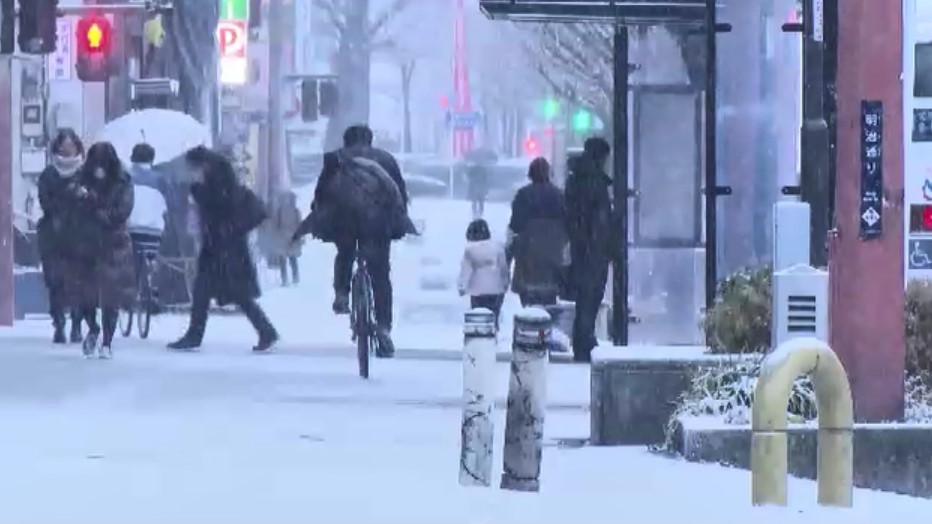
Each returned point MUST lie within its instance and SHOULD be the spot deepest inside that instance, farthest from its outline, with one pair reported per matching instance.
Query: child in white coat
(485, 273)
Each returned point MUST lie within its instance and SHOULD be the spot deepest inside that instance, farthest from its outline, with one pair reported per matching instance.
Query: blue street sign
(463, 120)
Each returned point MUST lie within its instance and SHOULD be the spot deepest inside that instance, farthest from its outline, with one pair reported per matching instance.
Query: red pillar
(6, 193)
(867, 297)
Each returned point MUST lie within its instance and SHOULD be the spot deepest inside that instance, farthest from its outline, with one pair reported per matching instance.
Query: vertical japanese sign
(61, 62)
(232, 34)
(871, 169)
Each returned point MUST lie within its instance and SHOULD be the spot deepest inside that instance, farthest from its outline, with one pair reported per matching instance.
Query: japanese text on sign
(871, 207)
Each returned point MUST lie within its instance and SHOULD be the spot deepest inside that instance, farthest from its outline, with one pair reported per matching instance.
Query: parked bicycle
(146, 249)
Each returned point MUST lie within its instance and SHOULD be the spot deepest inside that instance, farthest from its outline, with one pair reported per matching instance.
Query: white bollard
(527, 391)
(479, 349)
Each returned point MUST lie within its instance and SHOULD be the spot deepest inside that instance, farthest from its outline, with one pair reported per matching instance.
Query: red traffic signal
(94, 35)
(920, 218)
(530, 146)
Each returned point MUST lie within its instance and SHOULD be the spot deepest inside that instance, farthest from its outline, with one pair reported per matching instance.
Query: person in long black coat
(537, 238)
(589, 223)
(56, 185)
(226, 273)
(104, 275)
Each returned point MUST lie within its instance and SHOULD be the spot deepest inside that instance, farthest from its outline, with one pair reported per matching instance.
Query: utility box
(790, 234)
(800, 304)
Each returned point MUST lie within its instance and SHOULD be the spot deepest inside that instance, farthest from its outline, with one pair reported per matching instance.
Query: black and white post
(527, 391)
(479, 349)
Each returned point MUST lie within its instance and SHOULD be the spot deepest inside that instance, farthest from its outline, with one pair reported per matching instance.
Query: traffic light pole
(814, 135)
(276, 151)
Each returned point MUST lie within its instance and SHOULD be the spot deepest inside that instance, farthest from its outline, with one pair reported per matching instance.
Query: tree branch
(333, 10)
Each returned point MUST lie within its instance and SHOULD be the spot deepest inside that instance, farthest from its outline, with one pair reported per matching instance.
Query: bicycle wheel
(144, 311)
(361, 326)
(126, 320)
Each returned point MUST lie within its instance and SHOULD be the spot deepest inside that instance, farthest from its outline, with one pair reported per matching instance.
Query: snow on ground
(227, 437)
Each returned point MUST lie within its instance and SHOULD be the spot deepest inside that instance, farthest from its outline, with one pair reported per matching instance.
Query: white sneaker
(105, 353)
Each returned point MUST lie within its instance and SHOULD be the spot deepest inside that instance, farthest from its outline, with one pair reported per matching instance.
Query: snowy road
(228, 437)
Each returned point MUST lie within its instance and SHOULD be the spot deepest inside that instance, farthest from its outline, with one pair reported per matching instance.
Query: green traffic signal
(582, 120)
(551, 108)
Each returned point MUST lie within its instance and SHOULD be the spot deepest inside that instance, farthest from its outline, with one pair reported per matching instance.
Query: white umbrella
(170, 133)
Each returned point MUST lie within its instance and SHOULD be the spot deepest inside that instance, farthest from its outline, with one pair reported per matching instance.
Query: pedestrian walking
(477, 188)
(537, 238)
(104, 275)
(228, 212)
(56, 186)
(589, 224)
(484, 272)
(285, 249)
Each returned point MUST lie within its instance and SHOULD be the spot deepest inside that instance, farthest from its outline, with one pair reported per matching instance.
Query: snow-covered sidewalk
(228, 437)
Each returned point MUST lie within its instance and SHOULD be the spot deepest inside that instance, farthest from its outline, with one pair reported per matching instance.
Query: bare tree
(190, 33)
(359, 33)
(576, 60)
(406, 69)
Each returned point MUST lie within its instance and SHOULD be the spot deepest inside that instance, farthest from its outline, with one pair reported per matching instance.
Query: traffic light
(551, 108)
(7, 27)
(94, 34)
(920, 218)
(582, 121)
(531, 147)
(38, 27)
(310, 109)
(329, 97)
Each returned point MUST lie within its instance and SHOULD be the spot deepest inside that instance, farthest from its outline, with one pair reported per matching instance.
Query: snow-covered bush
(919, 398)
(739, 321)
(919, 327)
(726, 392)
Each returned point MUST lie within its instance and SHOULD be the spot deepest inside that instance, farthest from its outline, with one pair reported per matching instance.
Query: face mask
(67, 165)
(99, 173)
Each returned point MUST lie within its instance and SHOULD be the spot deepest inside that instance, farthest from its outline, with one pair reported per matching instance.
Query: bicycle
(145, 302)
(362, 316)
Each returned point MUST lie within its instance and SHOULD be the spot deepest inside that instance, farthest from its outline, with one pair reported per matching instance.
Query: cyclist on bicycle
(147, 221)
(362, 216)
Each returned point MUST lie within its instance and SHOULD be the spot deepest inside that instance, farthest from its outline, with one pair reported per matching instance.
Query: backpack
(372, 199)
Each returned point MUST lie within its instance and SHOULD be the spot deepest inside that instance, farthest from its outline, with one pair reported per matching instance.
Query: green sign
(551, 108)
(234, 10)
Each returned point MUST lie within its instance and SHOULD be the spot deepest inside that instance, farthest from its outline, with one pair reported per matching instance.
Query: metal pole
(620, 186)
(711, 160)
(7, 282)
(276, 159)
(477, 430)
(814, 138)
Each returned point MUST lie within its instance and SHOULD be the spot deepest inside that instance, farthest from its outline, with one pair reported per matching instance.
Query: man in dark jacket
(589, 224)
(478, 188)
(342, 228)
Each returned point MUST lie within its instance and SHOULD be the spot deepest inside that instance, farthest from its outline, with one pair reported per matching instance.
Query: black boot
(266, 343)
(58, 324)
(76, 335)
(386, 347)
(186, 343)
(341, 304)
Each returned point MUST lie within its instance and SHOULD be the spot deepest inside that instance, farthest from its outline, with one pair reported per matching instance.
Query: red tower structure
(462, 136)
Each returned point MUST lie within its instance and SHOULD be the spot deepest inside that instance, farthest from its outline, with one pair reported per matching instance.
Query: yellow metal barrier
(793, 359)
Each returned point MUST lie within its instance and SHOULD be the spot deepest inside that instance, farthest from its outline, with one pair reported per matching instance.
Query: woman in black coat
(228, 212)
(104, 275)
(537, 237)
(56, 187)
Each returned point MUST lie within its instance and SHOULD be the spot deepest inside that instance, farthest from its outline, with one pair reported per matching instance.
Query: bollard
(477, 431)
(835, 469)
(527, 391)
